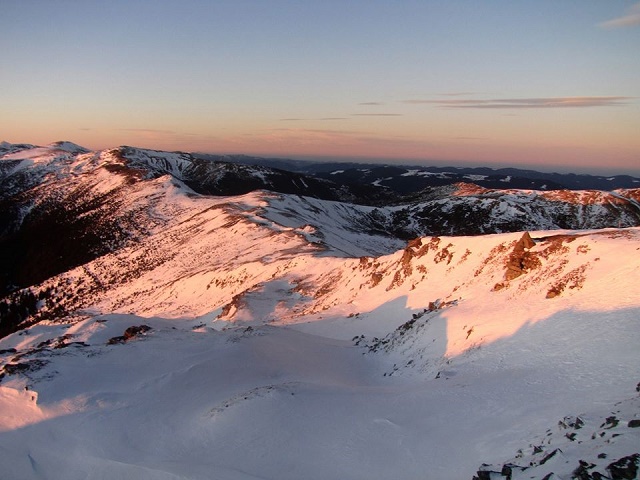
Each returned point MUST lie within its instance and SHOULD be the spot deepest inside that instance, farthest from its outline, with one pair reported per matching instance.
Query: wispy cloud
(631, 19)
(538, 102)
(376, 114)
(311, 119)
(456, 94)
(420, 102)
(170, 139)
(320, 131)
(340, 142)
(147, 130)
(371, 103)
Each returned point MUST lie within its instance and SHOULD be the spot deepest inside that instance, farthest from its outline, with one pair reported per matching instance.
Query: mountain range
(85, 204)
(410, 178)
(170, 316)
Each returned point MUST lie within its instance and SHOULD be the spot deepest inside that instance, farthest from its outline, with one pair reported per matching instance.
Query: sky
(545, 84)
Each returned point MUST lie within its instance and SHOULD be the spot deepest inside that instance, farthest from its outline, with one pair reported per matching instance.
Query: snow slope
(480, 375)
(188, 402)
(283, 337)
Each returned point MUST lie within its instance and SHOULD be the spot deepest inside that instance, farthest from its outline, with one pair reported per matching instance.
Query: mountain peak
(68, 147)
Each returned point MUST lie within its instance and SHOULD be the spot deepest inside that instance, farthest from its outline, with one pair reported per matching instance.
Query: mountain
(407, 179)
(471, 210)
(163, 333)
(62, 206)
(213, 177)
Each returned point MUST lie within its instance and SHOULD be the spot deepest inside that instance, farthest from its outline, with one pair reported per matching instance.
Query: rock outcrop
(520, 260)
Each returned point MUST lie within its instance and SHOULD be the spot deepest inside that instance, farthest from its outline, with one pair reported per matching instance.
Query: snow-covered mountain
(471, 210)
(86, 204)
(406, 179)
(166, 333)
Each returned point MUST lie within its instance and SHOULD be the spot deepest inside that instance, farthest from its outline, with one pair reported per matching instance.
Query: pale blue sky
(439, 81)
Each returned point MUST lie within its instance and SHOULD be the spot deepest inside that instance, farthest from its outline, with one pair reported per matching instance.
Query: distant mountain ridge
(62, 205)
(218, 177)
(405, 179)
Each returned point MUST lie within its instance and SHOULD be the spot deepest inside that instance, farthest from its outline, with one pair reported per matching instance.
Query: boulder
(129, 333)
(625, 468)
(519, 260)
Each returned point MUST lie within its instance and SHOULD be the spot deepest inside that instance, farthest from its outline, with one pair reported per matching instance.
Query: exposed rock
(485, 473)
(520, 260)
(553, 292)
(625, 468)
(376, 278)
(498, 286)
(610, 422)
(489, 472)
(135, 331)
(508, 469)
(578, 439)
(23, 367)
(550, 476)
(129, 333)
(549, 456)
(571, 422)
(582, 471)
(13, 368)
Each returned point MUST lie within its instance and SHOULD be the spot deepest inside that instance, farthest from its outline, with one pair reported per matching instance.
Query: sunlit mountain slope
(268, 335)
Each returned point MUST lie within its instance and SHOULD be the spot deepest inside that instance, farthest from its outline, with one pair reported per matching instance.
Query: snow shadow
(487, 402)
(585, 355)
(403, 338)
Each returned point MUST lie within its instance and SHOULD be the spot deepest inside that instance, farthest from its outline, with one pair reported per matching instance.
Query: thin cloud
(631, 19)
(443, 94)
(439, 102)
(146, 130)
(307, 119)
(376, 114)
(456, 94)
(525, 103)
(371, 103)
(318, 131)
(306, 138)
(169, 138)
(554, 102)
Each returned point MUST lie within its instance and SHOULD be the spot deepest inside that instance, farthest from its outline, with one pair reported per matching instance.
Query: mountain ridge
(158, 332)
(100, 199)
(397, 176)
